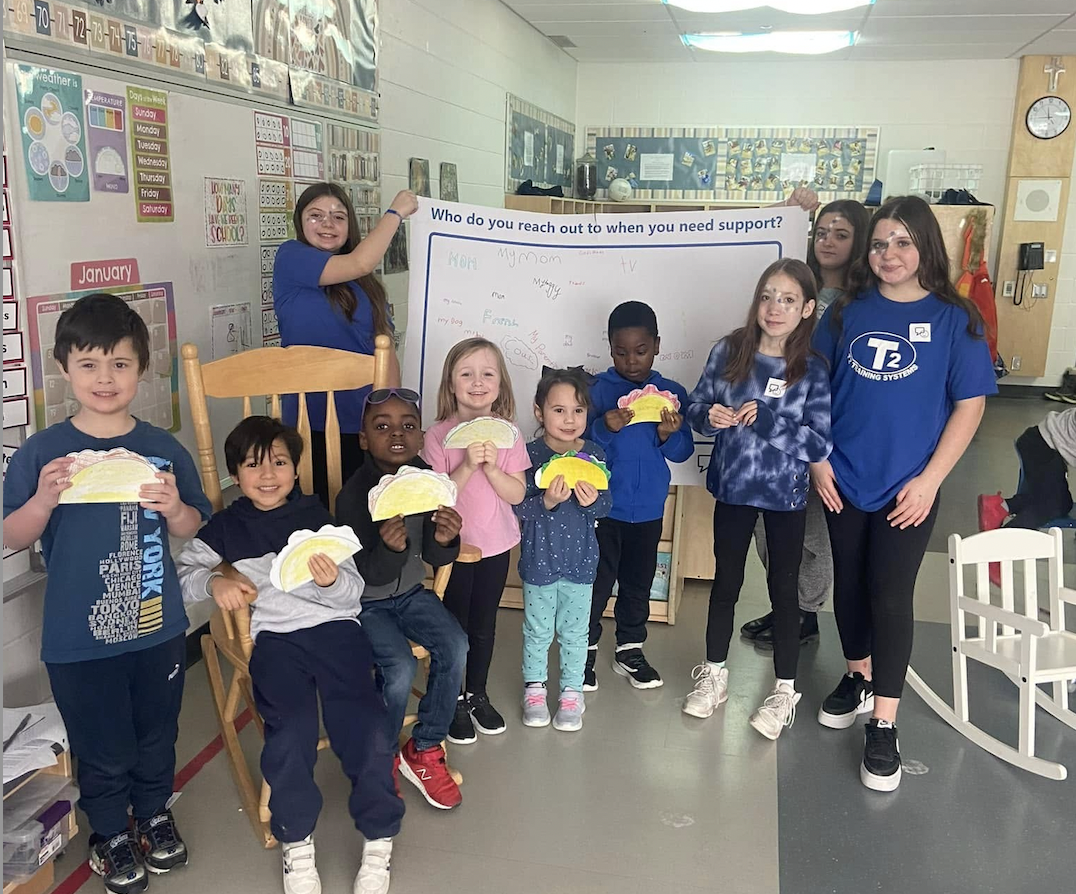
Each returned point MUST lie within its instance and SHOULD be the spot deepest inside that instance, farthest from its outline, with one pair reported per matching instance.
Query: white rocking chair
(1029, 651)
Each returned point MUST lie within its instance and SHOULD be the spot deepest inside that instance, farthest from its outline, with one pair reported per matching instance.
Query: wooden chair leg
(248, 697)
(237, 761)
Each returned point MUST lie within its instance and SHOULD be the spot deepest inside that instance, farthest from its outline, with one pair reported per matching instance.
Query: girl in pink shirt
(490, 481)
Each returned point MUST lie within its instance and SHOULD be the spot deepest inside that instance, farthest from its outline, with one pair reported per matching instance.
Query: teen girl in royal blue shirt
(325, 294)
(910, 372)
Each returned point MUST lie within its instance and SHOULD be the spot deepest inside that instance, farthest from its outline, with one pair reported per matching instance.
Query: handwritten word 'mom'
(463, 262)
(515, 258)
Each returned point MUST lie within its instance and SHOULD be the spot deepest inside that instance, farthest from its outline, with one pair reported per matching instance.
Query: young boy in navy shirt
(113, 639)
(639, 482)
(308, 644)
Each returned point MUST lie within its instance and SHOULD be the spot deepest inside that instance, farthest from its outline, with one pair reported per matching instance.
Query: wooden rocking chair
(1029, 651)
(272, 372)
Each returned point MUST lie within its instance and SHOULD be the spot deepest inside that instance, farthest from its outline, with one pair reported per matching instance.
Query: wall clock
(1048, 117)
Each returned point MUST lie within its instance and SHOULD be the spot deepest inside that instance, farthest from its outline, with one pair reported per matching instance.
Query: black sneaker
(880, 770)
(632, 663)
(590, 678)
(752, 629)
(853, 696)
(808, 632)
(162, 847)
(461, 730)
(487, 719)
(118, 860)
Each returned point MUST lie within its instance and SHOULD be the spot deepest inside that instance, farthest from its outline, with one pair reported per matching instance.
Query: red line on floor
(83, 872)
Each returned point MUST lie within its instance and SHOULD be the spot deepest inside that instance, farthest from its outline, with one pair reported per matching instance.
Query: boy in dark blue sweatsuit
(639, 482)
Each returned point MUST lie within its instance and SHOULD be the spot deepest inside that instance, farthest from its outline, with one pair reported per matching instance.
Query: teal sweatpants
(560, 607)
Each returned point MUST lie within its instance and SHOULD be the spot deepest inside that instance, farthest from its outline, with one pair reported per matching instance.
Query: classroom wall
(445, 69)
(964, 107)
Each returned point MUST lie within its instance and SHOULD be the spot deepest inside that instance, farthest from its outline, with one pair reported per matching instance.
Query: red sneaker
(396, 773)
(429, 772)
(992, 513)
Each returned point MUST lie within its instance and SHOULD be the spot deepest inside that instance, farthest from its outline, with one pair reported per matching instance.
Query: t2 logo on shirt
(882, 356)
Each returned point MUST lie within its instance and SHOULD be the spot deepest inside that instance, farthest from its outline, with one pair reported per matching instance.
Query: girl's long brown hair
(743, 343)
(857, 216)
(933, 272)
(340, 294)
(505, 404)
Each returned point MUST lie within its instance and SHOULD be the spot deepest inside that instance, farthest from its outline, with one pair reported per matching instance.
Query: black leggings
(1043, 492)
(874, 570)
(733, 527)
(473, 595)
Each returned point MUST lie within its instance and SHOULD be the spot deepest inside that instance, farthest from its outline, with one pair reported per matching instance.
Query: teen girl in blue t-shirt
(910, 372)
(325, 294)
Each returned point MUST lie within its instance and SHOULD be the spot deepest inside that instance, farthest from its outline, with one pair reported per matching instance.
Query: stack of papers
(33, 746)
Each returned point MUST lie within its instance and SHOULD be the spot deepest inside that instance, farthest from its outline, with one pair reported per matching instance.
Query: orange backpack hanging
(982, 296)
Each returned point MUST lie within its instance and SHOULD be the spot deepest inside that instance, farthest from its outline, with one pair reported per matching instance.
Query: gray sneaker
(535, 709)
(570, 712)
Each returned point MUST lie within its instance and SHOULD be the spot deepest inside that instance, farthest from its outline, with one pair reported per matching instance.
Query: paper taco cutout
(290, 569)
(107, 476)
(485, 428)
(647, 403)
(409, 492)
(575, 467)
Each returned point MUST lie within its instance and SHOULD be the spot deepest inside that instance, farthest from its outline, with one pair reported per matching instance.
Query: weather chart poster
(50, 112)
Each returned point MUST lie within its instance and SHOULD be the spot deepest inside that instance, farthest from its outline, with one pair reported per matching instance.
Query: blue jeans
(565, 607)
(391, 625)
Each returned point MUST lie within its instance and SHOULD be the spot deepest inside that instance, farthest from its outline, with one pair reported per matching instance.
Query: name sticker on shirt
(776, 387)
(919, 332)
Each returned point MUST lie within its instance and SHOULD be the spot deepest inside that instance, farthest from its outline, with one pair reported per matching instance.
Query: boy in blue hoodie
(639, 482)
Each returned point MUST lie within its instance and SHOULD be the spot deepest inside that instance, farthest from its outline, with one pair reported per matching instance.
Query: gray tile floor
(645, 799)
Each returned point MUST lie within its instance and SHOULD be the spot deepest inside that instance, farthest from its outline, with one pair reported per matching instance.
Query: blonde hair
(504, 406)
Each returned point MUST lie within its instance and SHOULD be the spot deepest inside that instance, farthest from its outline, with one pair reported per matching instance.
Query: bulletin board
(316, 53)
(539, 146)
(757, 164)
(189, 196)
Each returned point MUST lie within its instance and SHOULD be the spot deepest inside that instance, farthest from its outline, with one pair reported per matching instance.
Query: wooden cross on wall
(1054, 68)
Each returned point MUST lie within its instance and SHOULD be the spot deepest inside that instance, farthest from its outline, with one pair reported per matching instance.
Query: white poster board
(542, 286)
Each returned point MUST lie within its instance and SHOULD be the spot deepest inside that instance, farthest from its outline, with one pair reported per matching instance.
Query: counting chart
(289, 155)
(268, 128)
(272, 226)
(157, 400)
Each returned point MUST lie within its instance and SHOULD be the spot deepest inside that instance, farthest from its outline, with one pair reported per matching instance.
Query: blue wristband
(394, 211)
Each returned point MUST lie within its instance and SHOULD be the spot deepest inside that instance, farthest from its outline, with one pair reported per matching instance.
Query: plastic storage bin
(931, 181)
(28, 843)
(22, 850)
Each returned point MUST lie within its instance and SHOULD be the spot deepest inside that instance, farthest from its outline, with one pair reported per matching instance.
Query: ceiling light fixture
(807, 43)
(797, 7)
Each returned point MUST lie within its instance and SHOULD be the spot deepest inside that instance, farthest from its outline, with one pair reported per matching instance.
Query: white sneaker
(711, 690)
(373, 877)
(777, 711)
(300, 872)
(535, 709)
